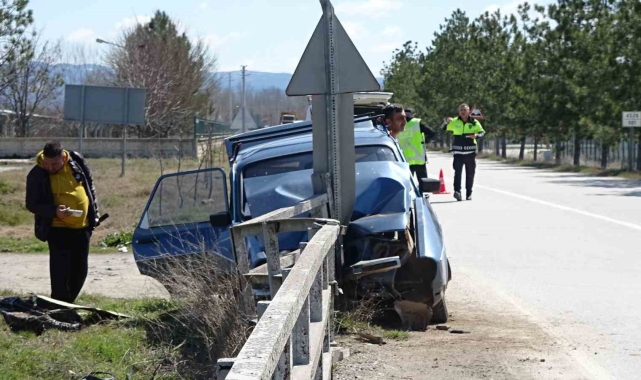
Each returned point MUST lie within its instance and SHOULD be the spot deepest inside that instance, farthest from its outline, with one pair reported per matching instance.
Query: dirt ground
(502, 344)
(113, 275)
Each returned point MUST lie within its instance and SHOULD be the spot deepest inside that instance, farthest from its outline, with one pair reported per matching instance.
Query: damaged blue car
(393, 244)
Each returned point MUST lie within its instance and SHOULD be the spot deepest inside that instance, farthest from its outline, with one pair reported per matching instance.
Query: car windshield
(280, 166)
(303, 161)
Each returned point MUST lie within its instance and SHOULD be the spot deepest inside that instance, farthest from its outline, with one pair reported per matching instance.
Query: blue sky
(266, 35)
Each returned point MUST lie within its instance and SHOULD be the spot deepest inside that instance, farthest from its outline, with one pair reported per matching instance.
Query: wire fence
(618, 156)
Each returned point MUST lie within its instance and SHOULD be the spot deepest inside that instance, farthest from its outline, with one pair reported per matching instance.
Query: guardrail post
(242, 264)
(300, 334)
(315, 299)
(284, 367)
(272, 253)
(331, 278)
(223, 366)
(261, 308)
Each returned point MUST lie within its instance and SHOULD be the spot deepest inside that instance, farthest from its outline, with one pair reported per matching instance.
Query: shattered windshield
(276, 169)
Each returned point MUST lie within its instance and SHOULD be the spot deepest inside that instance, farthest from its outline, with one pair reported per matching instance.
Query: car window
(186, 198)
(305, 161)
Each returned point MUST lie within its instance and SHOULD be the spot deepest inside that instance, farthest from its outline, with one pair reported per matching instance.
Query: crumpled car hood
(383, 196)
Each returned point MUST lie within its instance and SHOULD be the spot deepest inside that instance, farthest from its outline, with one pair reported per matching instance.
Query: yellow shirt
(69, 192)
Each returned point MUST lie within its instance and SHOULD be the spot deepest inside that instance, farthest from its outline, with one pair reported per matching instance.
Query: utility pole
(231, 102)
(244, 100)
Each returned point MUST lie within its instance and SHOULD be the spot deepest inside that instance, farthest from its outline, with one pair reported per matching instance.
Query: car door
(430, 244)
(177, 219)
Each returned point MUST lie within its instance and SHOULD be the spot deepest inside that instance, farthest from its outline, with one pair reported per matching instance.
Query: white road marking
(564, 208)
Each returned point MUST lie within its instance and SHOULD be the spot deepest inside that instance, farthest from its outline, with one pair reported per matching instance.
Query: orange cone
(442, 189)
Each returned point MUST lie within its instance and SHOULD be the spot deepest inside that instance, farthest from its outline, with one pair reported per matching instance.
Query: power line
(244, 99)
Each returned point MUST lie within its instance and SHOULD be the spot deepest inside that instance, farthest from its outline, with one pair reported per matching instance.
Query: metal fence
(204, 128)
(619, 155)
(292, 337)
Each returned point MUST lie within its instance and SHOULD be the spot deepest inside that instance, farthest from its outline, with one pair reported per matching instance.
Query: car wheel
(440, 313)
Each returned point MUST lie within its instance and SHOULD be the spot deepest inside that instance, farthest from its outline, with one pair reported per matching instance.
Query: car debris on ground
(39, 313)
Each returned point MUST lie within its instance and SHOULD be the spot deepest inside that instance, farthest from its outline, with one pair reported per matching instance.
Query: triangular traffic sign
(351, 72)
(476, 114)
(237, 124)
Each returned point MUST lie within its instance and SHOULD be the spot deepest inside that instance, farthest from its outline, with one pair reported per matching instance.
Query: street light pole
(101, 41)
(244, 100)
(124, 127)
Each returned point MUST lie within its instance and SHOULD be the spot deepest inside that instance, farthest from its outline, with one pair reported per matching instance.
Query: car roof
(363, 136)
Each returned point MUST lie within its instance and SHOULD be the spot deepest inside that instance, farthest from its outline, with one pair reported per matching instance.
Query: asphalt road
(564, 249)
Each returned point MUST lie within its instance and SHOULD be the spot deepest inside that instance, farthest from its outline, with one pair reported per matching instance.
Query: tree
(33, 85)
(177, 73)
(403, 74)
(567, 72)
(15, 18)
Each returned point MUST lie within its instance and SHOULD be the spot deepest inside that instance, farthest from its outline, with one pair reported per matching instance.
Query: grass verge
(179, 339)
(562, 168)
(123, 198)
(10, 244)
(368, 316)
(120, 348)
(565, 168)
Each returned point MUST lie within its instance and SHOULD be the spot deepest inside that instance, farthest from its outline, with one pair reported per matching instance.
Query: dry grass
(369, 315)
(210, 320)
(123, 198)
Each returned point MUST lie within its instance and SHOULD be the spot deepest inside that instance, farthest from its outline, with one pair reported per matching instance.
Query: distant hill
(256, 80)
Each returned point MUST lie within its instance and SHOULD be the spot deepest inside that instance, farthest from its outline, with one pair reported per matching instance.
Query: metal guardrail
(292, 337)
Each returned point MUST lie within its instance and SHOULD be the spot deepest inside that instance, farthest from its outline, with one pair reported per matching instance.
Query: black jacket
(428, 132)
(39, 198)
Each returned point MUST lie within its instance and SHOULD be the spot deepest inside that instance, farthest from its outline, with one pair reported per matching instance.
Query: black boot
(469, 195)
(457, 195)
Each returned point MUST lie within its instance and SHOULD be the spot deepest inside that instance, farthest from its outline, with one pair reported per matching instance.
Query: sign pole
(124, 133)
(81, 132)
(631, 120)
(332, 70)
(631, 150)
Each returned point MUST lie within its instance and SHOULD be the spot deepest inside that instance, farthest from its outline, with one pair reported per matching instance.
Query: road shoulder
(502, 344)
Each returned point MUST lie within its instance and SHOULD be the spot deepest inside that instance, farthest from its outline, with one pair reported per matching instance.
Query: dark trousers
(469, 162)
(68, 262)
(420, 170)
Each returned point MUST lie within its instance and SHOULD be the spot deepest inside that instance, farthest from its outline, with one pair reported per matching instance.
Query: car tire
(440, 313)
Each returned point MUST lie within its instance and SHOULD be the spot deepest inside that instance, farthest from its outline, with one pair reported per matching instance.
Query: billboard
(102, 104)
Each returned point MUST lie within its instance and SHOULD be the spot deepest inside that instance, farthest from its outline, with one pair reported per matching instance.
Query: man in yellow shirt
(61, 195)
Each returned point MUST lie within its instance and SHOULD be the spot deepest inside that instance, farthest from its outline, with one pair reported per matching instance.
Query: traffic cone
(442, 189)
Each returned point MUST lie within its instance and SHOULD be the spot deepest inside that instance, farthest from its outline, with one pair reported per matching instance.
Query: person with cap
(465, 130)
(413, 140)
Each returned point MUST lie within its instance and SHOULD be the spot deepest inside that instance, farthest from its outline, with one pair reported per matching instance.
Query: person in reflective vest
(412, 141)
(465, 130)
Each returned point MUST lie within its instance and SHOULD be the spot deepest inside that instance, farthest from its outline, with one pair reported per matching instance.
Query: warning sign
(476, 114)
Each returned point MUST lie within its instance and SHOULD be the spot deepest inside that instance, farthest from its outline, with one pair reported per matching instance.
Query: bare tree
(34, 83)
(177, 73)
(82, 65)
(266, 104)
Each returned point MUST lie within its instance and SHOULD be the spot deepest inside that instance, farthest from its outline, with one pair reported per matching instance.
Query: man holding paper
(62, 197)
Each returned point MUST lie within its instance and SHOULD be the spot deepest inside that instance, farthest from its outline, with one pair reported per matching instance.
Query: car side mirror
(221, 219)
(429, 185)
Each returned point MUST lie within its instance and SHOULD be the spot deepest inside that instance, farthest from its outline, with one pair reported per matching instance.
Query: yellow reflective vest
(412, 142)
(460, 129)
